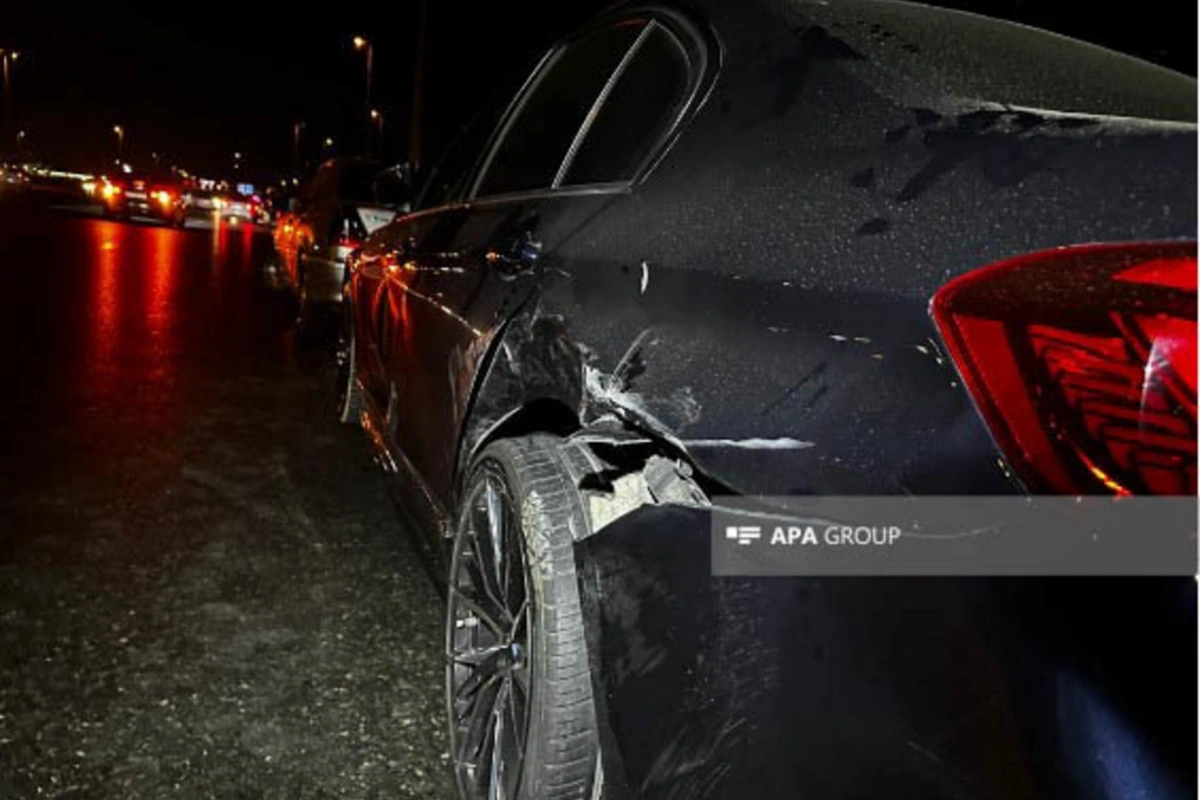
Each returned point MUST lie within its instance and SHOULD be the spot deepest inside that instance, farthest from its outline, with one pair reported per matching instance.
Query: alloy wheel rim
(488, 669)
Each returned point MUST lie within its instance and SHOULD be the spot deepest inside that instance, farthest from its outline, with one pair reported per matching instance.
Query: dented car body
(738, 302)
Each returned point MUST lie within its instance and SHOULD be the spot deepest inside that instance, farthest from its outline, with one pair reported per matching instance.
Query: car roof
(959, 53)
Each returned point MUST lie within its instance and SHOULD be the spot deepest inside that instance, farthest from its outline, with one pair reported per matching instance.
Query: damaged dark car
(792, 248)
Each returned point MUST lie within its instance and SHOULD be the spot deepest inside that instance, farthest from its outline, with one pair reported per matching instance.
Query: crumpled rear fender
(880, 687)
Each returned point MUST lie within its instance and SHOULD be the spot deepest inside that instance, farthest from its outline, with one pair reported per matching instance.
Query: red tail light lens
(1083, 363)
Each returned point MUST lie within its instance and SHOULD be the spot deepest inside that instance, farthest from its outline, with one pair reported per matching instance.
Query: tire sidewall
(545, 575)
(348, 404)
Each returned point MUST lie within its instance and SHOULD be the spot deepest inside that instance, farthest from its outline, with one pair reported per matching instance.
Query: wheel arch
(534, 380)
(529, 382)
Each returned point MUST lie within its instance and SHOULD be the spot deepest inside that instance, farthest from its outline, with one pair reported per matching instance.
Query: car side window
(391, 190)
(538, 137)
(638, 110)
(451, 173)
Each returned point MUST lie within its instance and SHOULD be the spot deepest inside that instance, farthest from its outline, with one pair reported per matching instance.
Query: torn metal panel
(629, 475)
(660, 481)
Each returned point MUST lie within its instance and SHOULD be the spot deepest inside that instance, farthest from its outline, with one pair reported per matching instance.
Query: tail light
(1082, 361)
(164, 197)
(110, 191)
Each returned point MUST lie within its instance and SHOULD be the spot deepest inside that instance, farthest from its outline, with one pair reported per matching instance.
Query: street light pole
(296, 128)
(363, 44)
(416, 111)
(120, 132)
(8, 57)
(368, 50)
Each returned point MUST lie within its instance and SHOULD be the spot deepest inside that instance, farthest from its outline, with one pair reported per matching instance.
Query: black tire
(349, 395)
(273, 274)
(316, 322)
(305, 307)
(539, 671)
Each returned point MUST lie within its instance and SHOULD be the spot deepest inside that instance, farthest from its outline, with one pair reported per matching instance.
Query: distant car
(236, 208)
(14, 177)
(345, 201)
(144, 196)
(201, 203)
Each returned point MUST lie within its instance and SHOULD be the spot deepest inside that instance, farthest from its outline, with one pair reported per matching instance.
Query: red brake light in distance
(348, 233)
(1082, 361)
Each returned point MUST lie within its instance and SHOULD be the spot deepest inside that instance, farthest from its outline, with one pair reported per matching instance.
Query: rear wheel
(519, 692)
(273, 273)
(308, 311)
(349, 397)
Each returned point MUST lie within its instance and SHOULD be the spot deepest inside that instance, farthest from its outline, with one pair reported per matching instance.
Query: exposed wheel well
(544, 415)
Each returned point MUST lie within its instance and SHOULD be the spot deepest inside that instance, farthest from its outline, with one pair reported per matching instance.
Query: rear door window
(639, 109)
(537, 139)
(449, 179)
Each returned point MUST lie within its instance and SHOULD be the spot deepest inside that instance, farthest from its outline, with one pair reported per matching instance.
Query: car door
(460, 271)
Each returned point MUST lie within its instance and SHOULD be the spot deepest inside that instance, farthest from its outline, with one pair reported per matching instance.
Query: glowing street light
(377, 118)
(120, 132)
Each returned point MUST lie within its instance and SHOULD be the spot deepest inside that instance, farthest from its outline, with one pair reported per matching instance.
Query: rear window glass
(537, 141)
(638, 110)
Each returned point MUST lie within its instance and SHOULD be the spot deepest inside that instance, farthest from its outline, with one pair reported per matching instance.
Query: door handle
(516, 255)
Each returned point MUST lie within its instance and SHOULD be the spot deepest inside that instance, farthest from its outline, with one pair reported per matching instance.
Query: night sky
(197, 81)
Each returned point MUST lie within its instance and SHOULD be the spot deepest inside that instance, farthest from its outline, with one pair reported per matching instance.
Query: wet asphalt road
(205, 589)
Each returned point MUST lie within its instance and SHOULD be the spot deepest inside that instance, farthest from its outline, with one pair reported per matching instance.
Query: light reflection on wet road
(204, 589)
